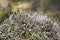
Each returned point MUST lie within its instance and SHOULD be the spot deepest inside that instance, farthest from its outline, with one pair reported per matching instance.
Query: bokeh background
(48, 7)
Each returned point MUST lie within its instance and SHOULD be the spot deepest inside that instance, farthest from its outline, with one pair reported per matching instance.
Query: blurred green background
(49, 7)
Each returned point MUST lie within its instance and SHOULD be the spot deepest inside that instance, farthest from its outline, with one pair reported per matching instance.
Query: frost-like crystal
(29, 26)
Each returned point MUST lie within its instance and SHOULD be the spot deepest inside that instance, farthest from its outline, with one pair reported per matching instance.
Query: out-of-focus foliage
(23, 6)
(45, 2)
(14, 0)
(52, 14)
(4, 11)
(36, 2)
(0, 4)
(9, 7)
(33, 5)
(3, 14)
